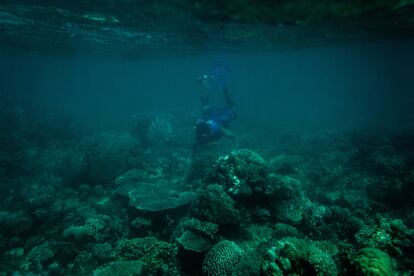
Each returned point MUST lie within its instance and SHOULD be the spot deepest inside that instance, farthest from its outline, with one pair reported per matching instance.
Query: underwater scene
(207, 137)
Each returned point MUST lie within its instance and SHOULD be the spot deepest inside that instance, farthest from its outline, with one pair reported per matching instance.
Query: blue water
(342, 87)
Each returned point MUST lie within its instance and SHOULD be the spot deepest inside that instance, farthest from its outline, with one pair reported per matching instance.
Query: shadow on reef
(325, 203)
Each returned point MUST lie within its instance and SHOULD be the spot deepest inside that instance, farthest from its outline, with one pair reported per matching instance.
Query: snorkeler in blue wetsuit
(214, 122)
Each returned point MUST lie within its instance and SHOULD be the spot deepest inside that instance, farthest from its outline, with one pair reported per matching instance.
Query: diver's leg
(230, 106)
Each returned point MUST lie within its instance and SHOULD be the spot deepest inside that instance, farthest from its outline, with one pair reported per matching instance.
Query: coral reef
(109, 155)
(215, 205)
(242, 172)
(393, 236)
(158, 256)
(106, 204)
(372, 261)
(152, 195)
(299, 256)
(120, 268)
(153, 131)
(221, 258)
(192, 242)
(204, 228)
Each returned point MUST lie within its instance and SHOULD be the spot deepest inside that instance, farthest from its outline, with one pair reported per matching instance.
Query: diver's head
(202, 132)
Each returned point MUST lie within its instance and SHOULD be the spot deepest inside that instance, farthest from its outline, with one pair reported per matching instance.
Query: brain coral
(221, 258)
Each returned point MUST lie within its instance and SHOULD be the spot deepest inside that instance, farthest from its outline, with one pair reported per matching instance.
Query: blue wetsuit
(213, 120)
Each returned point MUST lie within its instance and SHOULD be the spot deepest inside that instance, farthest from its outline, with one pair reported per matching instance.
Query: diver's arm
(229, 101)
(195, 148)
(203, 81)
(230, 135)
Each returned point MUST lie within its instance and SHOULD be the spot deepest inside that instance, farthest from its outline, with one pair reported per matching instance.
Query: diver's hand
(195, 148)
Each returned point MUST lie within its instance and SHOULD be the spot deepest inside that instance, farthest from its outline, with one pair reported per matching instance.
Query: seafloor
(134, 203)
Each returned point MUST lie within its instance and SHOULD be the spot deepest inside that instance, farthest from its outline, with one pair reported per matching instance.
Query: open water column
(178, 137)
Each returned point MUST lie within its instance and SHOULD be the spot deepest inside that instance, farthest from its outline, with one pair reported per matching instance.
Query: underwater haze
(353, 86)
(206, 137)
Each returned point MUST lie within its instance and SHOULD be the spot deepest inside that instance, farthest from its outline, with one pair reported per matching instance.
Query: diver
(214, 123)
